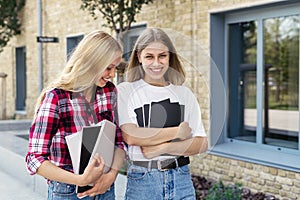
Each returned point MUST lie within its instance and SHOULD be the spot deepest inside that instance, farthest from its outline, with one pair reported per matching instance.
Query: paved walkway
(278, 119)
(15, 182)
(13, 189)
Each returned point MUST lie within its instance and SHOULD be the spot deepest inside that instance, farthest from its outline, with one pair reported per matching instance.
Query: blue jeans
(144, 183)
(63, 191)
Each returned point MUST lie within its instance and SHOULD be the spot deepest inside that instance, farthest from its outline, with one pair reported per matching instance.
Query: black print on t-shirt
(160, 114)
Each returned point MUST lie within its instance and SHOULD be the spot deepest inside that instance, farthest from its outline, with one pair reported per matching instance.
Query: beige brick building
(248, 144)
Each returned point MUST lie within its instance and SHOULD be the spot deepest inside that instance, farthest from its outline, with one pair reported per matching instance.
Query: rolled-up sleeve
(42, 130)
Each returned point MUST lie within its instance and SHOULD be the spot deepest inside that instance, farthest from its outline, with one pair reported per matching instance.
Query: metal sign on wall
(45, 39)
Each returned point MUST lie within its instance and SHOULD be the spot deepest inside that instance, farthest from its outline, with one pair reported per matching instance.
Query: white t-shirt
(137, 100)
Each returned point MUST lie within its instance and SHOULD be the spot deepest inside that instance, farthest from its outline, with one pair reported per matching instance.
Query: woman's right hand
(93, 171)
(184, 131)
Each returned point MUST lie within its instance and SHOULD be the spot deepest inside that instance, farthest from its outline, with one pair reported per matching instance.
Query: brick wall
(187, 21)
(259, 178)
(191, 19)
(60, 19)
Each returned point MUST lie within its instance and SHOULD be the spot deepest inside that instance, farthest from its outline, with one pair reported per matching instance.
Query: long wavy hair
(175, 73)
(89, 59)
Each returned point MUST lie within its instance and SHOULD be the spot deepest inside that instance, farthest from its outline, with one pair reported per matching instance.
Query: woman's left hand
(101, 185)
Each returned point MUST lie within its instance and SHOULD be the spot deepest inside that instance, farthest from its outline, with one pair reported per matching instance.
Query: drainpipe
(3, 92)
(40, 47)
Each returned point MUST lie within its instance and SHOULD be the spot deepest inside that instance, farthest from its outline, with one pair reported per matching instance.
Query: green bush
(219, 191)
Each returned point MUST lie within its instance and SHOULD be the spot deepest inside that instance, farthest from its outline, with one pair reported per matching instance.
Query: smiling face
(155, 61)
(110, 71)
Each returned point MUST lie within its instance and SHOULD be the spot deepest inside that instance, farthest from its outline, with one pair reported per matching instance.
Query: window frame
(221, 144)
(71, 42)
(133, 32)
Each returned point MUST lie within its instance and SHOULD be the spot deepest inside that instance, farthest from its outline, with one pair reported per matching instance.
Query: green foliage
(119, 14)
(9, 20)
(219, 191)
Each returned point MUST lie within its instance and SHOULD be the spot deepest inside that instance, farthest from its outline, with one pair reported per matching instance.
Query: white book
(73, 142)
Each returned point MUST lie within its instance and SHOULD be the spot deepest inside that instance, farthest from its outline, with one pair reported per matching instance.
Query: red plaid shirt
(63, 113)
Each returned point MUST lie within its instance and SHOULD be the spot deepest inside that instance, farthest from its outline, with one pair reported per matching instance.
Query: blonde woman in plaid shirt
(82, 95)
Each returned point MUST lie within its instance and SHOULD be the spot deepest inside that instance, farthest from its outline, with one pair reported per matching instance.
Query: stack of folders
(83, 145)
(161, 114)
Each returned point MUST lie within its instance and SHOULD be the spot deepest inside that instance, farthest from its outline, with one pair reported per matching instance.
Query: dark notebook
(165, 114)
(89, 138)
(162, 114)
(97, 139)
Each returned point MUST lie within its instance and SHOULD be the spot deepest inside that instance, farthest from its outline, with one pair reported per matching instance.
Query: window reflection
(281, 51)
(242, 81)
(280, 86)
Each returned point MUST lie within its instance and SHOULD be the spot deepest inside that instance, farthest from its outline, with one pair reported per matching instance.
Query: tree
(119, 14)
(9, 20)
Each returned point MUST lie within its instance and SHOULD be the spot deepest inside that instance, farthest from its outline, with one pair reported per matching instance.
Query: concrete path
(13, 189)
(15, 182)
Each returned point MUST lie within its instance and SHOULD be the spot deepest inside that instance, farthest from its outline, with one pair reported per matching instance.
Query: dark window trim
(134, 31)
(72, 38)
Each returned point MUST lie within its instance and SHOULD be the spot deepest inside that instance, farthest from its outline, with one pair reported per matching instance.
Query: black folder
(162, 114)
(89, 138)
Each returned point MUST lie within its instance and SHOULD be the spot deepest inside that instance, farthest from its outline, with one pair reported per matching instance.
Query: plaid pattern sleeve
(56, 118)
(41, 132)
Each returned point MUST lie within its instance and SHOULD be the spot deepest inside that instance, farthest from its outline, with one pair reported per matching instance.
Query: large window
(281, 91)
(280, 84)
(260, 70)
(242, 81)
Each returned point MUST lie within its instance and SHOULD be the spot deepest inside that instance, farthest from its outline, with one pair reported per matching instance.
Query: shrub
(209, 189)
(219, 191)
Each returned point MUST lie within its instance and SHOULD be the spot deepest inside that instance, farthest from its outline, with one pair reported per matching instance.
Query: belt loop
(149, 165)
(130, 162)
(159, 167)
(176, 161)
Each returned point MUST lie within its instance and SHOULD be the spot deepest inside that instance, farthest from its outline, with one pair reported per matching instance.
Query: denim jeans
(63, 191)
(144, 183)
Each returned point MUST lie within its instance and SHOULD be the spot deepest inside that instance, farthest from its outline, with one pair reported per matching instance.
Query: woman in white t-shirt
(160, 120)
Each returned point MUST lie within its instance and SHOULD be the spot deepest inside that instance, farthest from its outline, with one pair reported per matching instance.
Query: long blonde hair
(175, 74)
(89, 59)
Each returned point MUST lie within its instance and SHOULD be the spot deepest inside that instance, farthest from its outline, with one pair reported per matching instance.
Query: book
(83, 145)
(160, 114)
